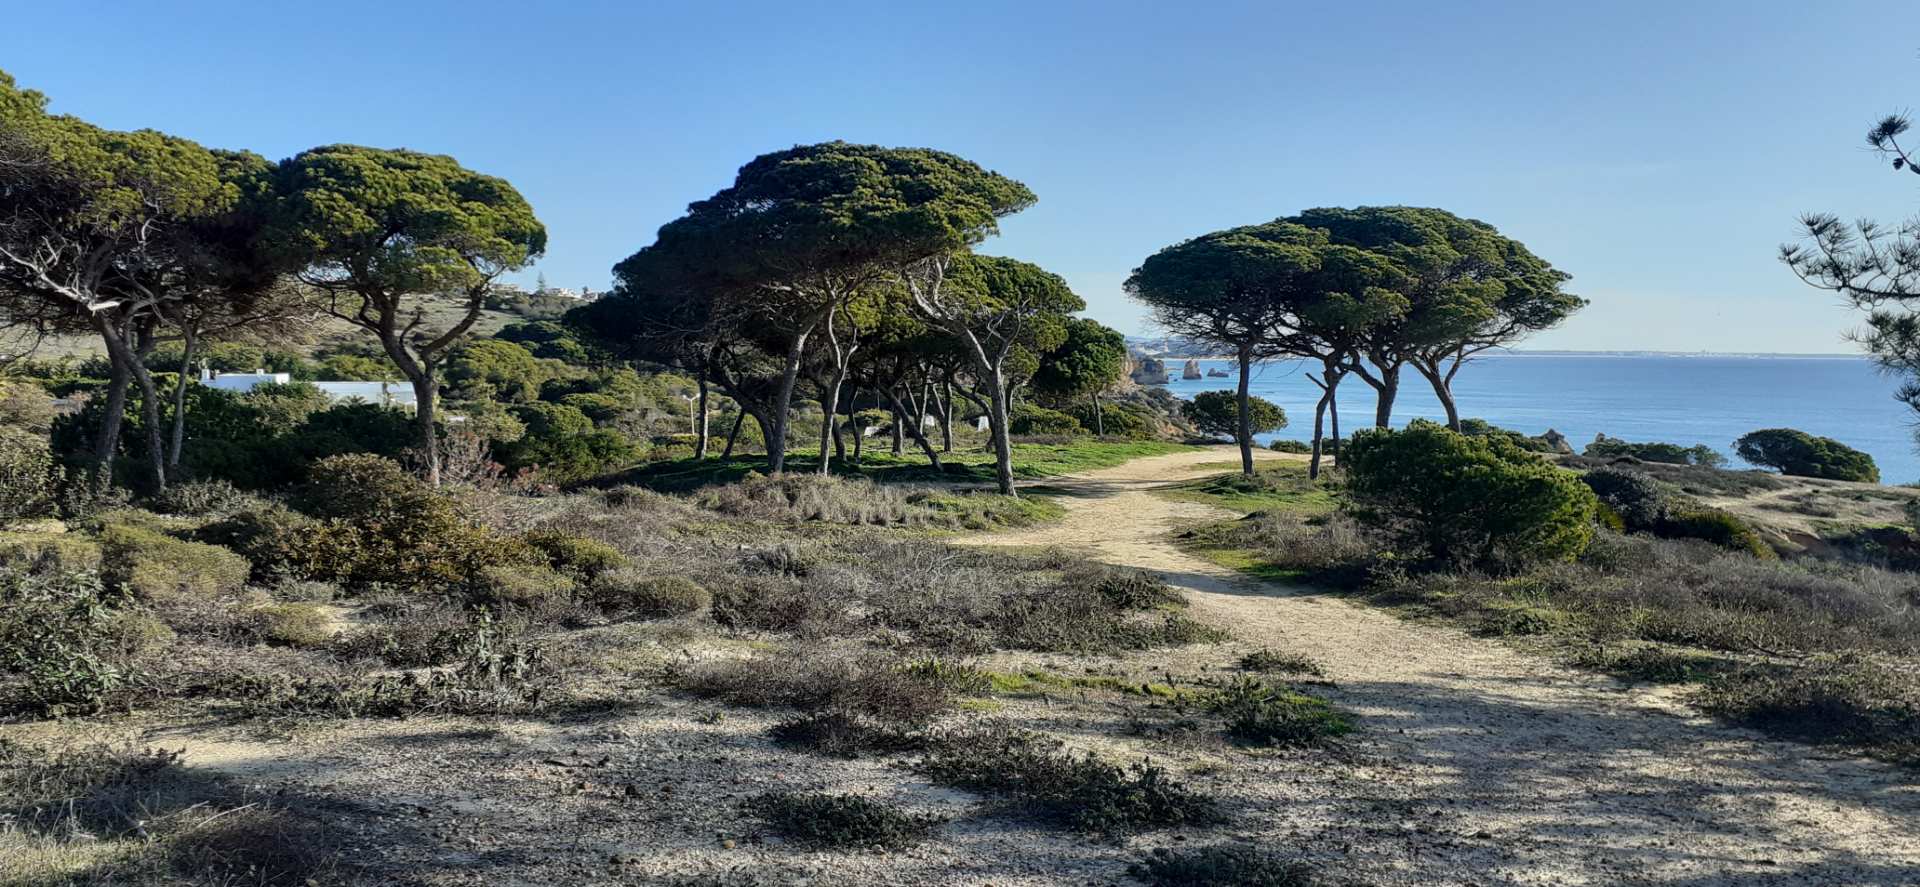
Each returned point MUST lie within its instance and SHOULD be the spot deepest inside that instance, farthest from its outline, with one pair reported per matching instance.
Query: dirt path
(1505, 769)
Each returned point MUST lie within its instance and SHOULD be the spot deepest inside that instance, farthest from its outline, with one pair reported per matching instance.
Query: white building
(393, 394)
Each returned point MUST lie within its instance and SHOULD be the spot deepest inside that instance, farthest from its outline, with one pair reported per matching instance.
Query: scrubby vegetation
(1604, 447)
(1804, 455)
(1670, 592)
(1226, 865)
(842, 821)
(1038, 778)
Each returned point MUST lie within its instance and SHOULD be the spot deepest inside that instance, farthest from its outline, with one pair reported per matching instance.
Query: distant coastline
(1134, 345)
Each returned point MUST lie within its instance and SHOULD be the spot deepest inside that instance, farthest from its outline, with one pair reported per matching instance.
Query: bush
(27, 476)
(296, 624)
(1717, 527)
(157, 567)
(1085, 793)
(1833, 699)
(49, 552)
(871, 685)
(1636, 497)
(202, 499)
(1268, 661)
(1129, 589)
(1474, 501)
(54, 633)
(1604, 447)
(1262, 715)
(1801, 454)
(842, 821)
(644, 594)
(520, 586)
(841, 734)
(578, 557)
(1232, 865)
(1218, 413)
(1299, 447)
(1028, 419)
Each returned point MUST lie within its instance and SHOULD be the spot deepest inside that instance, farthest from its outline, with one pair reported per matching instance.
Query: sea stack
(1191, 370)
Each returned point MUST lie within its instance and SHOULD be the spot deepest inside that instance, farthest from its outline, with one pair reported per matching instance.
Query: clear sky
(1659, 152)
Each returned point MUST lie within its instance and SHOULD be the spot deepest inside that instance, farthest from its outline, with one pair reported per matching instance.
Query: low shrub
(1259, 714)
(55, 634)
(1480, 502)
(492, 675)
(1129, 589)
(825, 821)
(1635, 496)
(49, 552)
(1028, 419)
(635, 592)
(1269, 661)
(507, 585)
(578, 557)
(158, 568)
(1801, 454)
(866, 685)
(29, 479)
(841, 734)
(1844, 699)
(1224, 865)
(205, 498)
(296, 624)
(1297, 447)
(1718, 527)
(1038, 778)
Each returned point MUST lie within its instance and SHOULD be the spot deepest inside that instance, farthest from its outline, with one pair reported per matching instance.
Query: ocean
(1707, 399)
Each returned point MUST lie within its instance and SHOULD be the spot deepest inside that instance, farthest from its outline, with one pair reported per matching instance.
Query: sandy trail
(1559, 777)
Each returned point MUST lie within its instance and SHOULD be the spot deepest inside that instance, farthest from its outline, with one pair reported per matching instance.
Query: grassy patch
(842, 822)
(1036, 683)
(1268, 661)
(1259, 714)
(1843, 700)
(1275, 486)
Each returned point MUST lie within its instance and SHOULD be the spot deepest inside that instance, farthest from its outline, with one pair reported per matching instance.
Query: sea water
(1683, 399)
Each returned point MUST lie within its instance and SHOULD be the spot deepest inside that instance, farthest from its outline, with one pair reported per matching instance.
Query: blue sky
(1657, 151)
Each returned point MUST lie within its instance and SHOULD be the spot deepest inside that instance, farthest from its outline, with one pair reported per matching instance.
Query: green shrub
(1604, 447)
(297, 624)
(1299, 447)
(1801, 454)
(520, 586)
(1028, 419)
(1083, 793)
(1231, 865)
(157, 567)
(578, 557)
(1636, 497)
(1476, 501)
(49, 552)
(1841, 699)
(644, 594)
(842, 821)
(873, 686)
(202, 498)
(55, 633)
(1218, 413)
(28, 478)
(1717, 527)
(1262, 715)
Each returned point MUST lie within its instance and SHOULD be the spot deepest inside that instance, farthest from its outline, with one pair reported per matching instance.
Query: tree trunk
(178, 434)
(1245, 432)
(1387, 389)
(1002, 439)
(782, 404)
(946, 416)
(1319, 414)
(119, 379)
(1333, 406)
(429, 443)
(830, 419)
(1442, 389)
(1099, 419)
(700, 436)
(919, 435)
(734, 435)
(859, 433)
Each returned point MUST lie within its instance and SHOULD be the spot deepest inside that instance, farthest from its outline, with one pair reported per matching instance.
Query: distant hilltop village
(505, 291)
